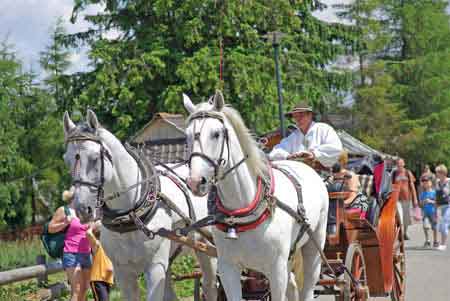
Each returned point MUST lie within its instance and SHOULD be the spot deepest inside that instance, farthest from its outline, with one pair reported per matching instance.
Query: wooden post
(42, 279)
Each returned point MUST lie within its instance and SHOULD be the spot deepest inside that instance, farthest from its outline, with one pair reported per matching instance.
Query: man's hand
(301, 155)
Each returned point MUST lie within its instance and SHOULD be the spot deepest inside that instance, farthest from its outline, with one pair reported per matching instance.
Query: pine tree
(30, 143)
(415, 56)
(55, 61)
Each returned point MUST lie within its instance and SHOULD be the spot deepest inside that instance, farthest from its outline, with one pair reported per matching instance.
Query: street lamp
(275, 38)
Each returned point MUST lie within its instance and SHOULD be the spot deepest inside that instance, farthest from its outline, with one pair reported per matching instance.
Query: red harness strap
(248, 209)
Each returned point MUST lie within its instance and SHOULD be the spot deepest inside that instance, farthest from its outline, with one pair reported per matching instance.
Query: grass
(20, 254)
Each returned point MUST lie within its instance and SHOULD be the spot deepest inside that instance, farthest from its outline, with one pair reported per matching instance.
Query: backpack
(54, 242)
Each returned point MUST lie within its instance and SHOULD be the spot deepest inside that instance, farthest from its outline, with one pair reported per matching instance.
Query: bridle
(77, 136)
(220, 163)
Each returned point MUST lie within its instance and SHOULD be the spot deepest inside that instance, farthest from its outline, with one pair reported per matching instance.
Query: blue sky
(27, 23)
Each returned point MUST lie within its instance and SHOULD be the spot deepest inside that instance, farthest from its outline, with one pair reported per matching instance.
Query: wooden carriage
(367, 259)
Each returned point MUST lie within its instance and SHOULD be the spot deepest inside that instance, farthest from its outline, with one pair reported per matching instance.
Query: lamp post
(275, 38)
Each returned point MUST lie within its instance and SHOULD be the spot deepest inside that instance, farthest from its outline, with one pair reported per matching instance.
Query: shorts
(429, 220)
(73, 260)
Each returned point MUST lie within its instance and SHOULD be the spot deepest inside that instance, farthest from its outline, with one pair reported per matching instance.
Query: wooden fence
(40, 271)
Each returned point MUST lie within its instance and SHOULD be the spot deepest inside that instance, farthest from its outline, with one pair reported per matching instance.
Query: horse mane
(257, 161)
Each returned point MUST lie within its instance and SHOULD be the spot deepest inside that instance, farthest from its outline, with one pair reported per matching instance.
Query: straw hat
(301, 106)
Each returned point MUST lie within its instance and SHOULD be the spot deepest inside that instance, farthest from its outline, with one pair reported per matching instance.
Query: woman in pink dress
(77, 260)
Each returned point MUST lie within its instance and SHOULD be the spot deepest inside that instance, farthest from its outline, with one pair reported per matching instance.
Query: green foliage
(55, 61)
(378, 117)
(402, 105)
(16, 254)
(30, 147)
(21, 254)
(169, 47)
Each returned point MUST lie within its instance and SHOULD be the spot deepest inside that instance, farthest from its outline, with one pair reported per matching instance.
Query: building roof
(356, 147)
(177, 120)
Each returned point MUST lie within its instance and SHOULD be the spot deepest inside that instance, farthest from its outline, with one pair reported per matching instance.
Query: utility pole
(275, 38)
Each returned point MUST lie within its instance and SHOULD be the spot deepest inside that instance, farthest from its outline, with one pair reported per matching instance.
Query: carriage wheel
(399, 264)
(355, 287)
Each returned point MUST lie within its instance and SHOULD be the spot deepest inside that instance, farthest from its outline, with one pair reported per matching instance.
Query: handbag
(441, 198)
(54, 242)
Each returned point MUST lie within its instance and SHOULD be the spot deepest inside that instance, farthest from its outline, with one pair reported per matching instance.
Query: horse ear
(92, 119)
(68, 123)
(218, 101)
(190, 107)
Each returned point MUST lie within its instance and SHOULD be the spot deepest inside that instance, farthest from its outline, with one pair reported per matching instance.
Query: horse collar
(250, 217)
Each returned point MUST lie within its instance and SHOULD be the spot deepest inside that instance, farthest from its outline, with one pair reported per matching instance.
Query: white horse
(92, 153)
(219, 142)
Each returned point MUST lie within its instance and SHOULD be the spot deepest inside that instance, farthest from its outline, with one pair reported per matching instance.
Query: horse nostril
(203, 181)
(89, 210)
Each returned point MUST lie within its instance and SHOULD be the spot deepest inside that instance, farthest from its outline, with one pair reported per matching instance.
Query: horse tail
(297, 267)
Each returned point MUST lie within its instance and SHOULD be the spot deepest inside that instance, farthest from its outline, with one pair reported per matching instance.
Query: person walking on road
(443, 199)
(426, 171)
(408, 196)
(427, 200)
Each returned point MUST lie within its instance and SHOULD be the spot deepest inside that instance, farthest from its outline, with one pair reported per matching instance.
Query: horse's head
(208, 143)
(90, 164)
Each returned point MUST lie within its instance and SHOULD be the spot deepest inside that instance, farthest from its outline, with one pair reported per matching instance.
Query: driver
(310, 141)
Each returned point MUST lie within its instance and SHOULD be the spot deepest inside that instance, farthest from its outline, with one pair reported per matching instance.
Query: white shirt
(321, 139)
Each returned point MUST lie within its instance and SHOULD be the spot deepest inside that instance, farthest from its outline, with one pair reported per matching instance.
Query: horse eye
(216, 135)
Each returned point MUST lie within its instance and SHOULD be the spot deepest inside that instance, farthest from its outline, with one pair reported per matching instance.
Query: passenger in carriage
(346, 180)
(310, 141)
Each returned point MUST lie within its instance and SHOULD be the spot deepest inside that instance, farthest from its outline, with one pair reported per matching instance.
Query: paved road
(428, 271)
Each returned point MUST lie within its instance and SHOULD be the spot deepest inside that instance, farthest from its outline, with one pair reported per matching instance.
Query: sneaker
(441, 248)
(435, 245)
(427, 244)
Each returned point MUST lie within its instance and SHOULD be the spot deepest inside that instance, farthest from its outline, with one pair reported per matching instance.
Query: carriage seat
(367, 187)
(366, 182)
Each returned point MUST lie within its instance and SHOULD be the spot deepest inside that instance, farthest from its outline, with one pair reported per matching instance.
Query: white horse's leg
(292, 289)
(155, 272)
(155, 277)
(169, 293)
(312, 261)
(278, 279)
(126, 278)
(208, 266)
(230, 276)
